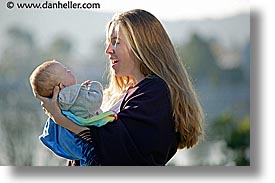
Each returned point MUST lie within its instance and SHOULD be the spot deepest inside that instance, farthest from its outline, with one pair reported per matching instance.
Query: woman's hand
(50, 105)
(52, 110)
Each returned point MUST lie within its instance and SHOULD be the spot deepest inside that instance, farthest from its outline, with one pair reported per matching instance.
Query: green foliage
(199, 58)
(236, 134)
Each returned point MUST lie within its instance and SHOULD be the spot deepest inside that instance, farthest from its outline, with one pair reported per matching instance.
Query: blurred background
(213, 41)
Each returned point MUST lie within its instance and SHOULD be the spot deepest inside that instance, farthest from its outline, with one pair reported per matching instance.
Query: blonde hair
(152, 48)
(43, 79)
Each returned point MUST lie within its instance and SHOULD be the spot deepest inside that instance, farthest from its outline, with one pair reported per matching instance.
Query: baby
(79, 102)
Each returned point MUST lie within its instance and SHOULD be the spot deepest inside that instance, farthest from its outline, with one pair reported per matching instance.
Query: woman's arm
(52, 110)
(68, 124)
(144, 132)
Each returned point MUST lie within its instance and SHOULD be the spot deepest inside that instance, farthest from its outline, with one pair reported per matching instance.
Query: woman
(159, 112)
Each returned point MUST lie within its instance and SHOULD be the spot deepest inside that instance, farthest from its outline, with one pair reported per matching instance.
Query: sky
(177, 9)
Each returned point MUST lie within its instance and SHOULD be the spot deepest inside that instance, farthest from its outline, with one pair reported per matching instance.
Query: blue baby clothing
(68, 145)
(57, 138)
(81, 104)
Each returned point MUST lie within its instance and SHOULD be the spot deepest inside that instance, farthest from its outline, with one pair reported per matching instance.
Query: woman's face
(119, 54)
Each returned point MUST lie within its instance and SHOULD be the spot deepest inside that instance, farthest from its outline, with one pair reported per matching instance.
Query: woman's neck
(137, 79)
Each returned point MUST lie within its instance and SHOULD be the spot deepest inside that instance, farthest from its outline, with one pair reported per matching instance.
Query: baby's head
(48, 75)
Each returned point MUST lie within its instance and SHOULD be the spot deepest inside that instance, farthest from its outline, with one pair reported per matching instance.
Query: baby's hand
(86, 83)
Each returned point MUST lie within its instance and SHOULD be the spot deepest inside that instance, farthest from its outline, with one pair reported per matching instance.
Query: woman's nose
(109, 49)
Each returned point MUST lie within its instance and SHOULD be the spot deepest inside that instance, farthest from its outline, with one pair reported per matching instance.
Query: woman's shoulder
(151, 87)
(153, 82)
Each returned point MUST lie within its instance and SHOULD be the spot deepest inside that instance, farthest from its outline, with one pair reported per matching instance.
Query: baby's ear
(61, 86)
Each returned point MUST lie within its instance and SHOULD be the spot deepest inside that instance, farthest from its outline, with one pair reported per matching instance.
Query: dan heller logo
(53, 5)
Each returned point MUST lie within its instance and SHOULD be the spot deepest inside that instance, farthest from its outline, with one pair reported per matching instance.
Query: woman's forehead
(114, 30)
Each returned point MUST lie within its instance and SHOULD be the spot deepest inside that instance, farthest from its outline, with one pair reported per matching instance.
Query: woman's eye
(115, 42)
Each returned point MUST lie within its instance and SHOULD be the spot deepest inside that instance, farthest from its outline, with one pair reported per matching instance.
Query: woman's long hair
(152, 48)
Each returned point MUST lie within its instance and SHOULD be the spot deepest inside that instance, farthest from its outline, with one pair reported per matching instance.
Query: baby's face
(65, 74)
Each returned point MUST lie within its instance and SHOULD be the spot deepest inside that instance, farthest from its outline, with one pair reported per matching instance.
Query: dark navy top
(143, 133)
